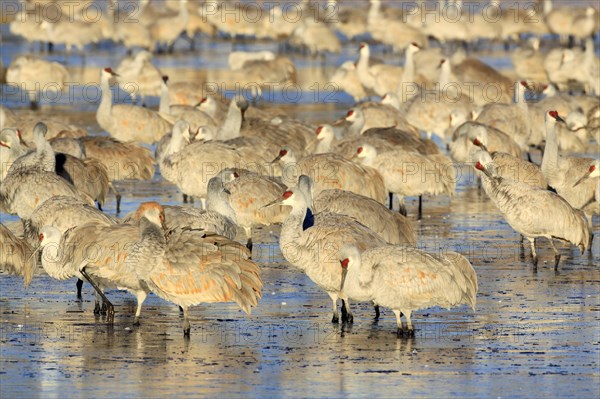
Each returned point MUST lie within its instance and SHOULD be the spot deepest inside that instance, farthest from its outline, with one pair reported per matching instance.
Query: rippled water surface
(533, 334)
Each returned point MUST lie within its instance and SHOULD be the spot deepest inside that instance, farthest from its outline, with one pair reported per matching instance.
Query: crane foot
(535, 261)
(104, 309)
(349, 318)
(410, 332)
(336, 318)
(136, 321)
(97, 308)
(186, 331)
(400, 333)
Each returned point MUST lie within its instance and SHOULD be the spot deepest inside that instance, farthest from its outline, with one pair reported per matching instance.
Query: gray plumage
(187, 267)
(406, 279)
(314, 250)
(534, 212)
(63, 213)
(393, 227)
(15, 255)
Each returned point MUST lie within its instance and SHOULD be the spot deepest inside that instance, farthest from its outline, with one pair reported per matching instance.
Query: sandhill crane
(316, 36)
(72, 33)
(562, 172)
(391, 31)
(10, 150)
(512, 119)
(526, 209)
(187, 165)
(63, 213)
(248, 192)
(406, 279)
(513, 168)
(26, 188)
(37, 77)
(165, 30)
(43, 156)
(372, 115)
(391, 226)
(96, 253)
(430, 113)
(376, 78)
(408, 174)
(480, 81)
(186, 267)
(237, 59)
(123, 161)
(68, 145)
(128, 122)
(313, 248)
(331, 171)
(218, 217)
(138, 76)
(529, 62)
(346, 78)
(15, 255)
(592, 173)
(194, 115)
(494, 140)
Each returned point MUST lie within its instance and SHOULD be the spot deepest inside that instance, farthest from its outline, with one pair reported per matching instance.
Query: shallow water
(532, 334)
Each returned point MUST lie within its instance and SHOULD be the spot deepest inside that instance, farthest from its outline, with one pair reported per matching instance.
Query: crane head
(593, 171)
(554, 115)
(282, 153)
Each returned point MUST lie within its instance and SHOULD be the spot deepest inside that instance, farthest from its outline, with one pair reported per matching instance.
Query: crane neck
(105, 107)
(551, 158)
(164, 106)
(233, 123)
(445, 71)
(324, 145)
(54, 263)
(357, 126)
(218, 202)
(291, 234)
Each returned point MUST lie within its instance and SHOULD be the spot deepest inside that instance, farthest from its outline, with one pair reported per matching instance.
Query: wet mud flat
(532, 334)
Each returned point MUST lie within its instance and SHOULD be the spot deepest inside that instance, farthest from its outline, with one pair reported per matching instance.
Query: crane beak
(582, 179)
(226, 191)
(274, 202)
(37, 249)
(344, 273)
(277, 158)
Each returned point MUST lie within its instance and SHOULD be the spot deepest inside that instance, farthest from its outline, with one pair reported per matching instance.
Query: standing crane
(406, 279)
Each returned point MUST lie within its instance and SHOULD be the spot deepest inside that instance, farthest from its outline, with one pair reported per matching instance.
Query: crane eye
(41, 236)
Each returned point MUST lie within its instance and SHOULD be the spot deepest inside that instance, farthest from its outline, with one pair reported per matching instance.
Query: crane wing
(205, 268)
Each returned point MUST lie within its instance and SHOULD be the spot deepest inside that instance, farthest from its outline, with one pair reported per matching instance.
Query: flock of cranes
(332, 187)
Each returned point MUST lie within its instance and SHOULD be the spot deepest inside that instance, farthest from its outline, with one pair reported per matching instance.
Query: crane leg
(377, 313)
(141, 297)
(186, 322)
(533, 253)
(110, 307)
(556, 254)
(391, 198)
(402, 209)
(79, 285)
(336, 316)
(420, 215)
(185, 198)
(117, 196)
(399, 331)
(410, 330)
(347, 316)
